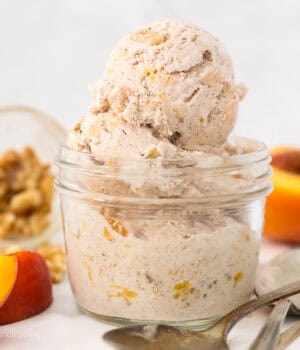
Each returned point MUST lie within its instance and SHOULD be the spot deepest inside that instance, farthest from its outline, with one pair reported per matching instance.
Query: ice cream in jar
(162, 209)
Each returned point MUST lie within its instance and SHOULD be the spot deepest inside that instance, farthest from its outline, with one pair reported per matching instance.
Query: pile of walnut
(53, 254)
(26, 192)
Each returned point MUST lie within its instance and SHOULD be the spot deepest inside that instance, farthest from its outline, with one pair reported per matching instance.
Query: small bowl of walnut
(29, 209)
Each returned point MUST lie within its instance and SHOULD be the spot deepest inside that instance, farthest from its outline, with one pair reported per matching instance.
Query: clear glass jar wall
(169, 241)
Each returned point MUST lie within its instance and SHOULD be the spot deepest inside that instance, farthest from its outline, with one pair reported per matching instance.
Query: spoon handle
(268, 336)
(232, 317)
(288, 336)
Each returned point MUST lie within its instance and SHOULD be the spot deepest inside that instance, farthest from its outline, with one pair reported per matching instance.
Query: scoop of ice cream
(175, 79)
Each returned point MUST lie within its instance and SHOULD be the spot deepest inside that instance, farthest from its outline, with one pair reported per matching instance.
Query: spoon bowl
(161, 338)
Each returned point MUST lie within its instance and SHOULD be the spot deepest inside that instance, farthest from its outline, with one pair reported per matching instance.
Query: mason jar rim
(82, 163)
(88, 162)
(219, 201)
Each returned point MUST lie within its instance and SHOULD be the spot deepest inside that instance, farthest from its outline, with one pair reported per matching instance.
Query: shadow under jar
(168, 241)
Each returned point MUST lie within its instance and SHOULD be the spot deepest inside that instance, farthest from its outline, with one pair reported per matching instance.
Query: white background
(50, 51)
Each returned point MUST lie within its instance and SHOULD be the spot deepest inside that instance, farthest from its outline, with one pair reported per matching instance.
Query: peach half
(282, 217)
(25, 286)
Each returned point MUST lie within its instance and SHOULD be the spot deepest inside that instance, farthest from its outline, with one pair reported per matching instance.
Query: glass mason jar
(169, 241)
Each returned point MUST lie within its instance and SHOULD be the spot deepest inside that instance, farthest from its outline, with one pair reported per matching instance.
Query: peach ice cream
(162, 211)
(174, 78)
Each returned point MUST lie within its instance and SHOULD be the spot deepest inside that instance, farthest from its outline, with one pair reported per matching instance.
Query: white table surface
(63, 326)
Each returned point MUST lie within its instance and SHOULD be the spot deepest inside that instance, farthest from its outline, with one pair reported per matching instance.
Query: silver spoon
(268, 337)
(160, 337)
(279, 271)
